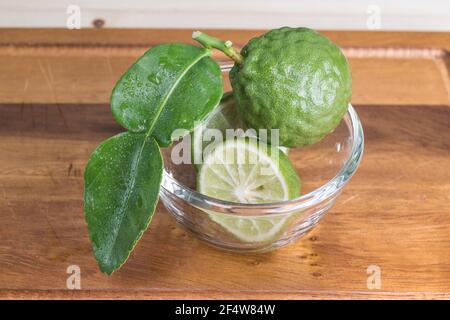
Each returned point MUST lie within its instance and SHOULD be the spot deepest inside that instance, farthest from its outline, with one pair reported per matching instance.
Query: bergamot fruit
(291, 79)
(247, 170)
(225, 119)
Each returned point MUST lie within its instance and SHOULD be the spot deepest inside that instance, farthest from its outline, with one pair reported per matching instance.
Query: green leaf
(170, 87)
(122, 181)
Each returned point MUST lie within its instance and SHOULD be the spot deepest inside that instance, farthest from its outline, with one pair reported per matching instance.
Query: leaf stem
(225, 46)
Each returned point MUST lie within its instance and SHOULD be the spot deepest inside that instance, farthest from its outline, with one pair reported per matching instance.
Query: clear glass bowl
(324, 168)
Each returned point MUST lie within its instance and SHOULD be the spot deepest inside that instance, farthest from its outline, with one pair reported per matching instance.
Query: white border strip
(431, 15)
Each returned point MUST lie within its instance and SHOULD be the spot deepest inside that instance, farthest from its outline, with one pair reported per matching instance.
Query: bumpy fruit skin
(294, 80)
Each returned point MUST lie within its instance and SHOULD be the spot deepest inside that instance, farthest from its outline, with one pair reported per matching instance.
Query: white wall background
(429, 15)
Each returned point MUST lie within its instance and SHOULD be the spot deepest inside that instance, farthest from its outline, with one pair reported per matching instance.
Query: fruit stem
(224, 46)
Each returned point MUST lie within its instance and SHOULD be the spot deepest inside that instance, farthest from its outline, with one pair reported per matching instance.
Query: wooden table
(394, 214)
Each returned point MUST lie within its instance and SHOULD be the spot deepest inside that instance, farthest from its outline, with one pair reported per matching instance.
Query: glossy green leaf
(122, 181)
(170, 87)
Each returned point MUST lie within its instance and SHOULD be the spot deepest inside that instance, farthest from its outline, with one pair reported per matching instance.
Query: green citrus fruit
(223, 117)
(246, 170)
(266, 228)
(294, 80)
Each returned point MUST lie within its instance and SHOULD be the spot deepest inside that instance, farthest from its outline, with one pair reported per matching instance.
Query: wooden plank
(81, 66)
(33, 78)
(210, 294)
(149, 37)
(53, 88)
(394, 214)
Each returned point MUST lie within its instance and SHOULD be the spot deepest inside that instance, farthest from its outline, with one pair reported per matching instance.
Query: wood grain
(148, 37)
(394, 214)
(54, 86)
(81, 66)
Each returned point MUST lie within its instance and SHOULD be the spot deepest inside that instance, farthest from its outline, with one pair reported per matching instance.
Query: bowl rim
(318, 195)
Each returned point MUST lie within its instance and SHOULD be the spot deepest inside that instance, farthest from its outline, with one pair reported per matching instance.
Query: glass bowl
(324, 168)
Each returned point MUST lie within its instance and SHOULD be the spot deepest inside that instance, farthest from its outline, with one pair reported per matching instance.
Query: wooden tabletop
(392, 221)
